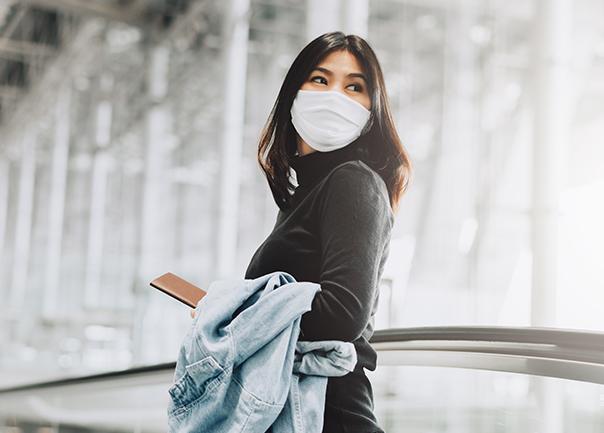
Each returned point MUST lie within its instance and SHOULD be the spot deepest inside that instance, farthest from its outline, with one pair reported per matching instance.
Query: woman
(332, 124)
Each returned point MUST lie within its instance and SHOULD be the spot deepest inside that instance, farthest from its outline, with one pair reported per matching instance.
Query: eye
(318, 76)
(359, 87)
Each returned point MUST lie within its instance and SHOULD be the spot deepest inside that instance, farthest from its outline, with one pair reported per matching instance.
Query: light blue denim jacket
(240, 368)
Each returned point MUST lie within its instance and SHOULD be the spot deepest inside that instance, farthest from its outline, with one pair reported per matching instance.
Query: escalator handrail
(576, 348)
(577, 338)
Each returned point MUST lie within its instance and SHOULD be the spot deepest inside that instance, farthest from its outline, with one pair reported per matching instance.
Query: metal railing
(551, 352)
(568, 354)
(528, 350)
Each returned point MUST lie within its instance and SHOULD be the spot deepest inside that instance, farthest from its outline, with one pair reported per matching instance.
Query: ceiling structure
(32, 32)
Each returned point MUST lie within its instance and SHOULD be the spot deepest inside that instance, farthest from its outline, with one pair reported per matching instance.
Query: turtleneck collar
(312, 167)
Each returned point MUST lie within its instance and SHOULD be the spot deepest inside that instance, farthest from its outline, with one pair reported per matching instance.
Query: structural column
(355, 17)
(18, 284)
(235, 37)
(350, 16)
(551, 122)
(157, 230)
(96, 228)
(59, 170)
(321, 17)
(553, 21)
(4, 182)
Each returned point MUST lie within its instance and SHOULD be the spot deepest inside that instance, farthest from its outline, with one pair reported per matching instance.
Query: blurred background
(128, 137)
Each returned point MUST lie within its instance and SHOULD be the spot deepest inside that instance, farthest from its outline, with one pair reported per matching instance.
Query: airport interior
(128, 148)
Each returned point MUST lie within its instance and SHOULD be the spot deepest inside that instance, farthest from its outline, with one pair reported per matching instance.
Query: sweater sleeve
(354, 224)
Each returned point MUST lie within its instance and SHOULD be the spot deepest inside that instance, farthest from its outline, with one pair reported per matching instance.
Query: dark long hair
(380, 141)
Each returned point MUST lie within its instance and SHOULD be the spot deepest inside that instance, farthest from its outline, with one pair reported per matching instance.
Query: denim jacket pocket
(197, 382)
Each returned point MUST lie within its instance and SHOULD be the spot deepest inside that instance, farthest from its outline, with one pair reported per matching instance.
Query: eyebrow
(328, 72)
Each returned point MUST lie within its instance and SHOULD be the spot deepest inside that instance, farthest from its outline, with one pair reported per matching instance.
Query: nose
(335, 88)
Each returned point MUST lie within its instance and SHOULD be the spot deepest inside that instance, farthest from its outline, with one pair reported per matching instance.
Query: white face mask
(327, 119)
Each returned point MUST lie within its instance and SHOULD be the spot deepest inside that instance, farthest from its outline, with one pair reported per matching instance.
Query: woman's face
(340, 71)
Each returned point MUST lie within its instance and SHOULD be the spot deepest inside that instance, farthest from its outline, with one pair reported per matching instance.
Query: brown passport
(179, 288)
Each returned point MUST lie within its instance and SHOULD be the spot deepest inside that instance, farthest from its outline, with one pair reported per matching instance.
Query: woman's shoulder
(356, 178)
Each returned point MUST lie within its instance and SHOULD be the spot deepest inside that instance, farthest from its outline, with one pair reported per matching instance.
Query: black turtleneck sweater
(337, 234)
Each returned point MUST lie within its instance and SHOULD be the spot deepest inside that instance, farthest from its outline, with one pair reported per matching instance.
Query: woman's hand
(193, 313)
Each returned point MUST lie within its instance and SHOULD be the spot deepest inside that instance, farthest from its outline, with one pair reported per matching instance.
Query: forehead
(343, 61)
